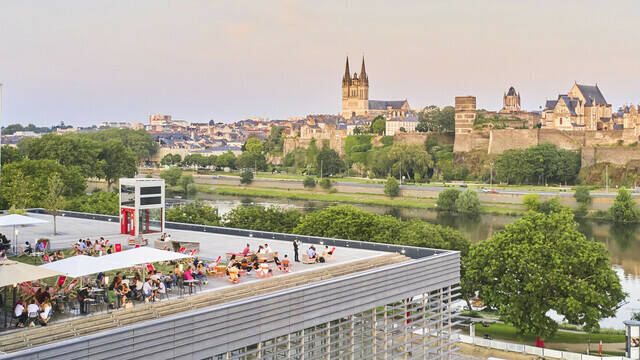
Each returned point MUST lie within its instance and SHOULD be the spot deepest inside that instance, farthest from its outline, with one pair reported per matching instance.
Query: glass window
(127, 195)
(149, 190)
(150, 221)
(150, 200)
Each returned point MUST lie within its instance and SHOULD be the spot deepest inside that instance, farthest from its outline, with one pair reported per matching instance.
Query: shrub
(333, 191)
(624, 209)
(582, 195)
(447, 199)
(246, 177)
(531, 201)
(392, 187)
(468, 203)
(309, 182)
(325, 183)
(551, 205)
(581, 211)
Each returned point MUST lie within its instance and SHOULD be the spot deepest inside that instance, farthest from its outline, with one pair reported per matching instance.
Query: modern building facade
(141, 206)
(393, 302)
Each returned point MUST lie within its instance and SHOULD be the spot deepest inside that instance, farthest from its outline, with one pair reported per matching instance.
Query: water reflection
(623, 241)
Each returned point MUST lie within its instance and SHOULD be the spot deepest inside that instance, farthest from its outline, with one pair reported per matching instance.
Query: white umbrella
(74, 266)
(16, 219)
(14, 272)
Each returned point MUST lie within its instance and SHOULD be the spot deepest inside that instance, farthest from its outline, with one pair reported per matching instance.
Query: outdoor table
(190, 283)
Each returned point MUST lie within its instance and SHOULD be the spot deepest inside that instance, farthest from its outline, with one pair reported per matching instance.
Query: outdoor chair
(118, 247)
(61, 281)
(306, 260)
(182, 250)
(233, 276)
(193, 252)
(286, 266)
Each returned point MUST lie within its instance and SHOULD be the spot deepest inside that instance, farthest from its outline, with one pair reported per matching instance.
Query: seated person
(246, 251)
(40, 246)
(264, 269)
(162, 289)
(267, 249)
(276, 260)
(171, 279)
(311, 252)
(201, 273)
(285, 264)
(233, 274)
(33, 309)
(261, 250)
(147, 291)
(245, 265)
(45, 314)
(123, 291)
(27, 248)
(20, 313)
(188, 275)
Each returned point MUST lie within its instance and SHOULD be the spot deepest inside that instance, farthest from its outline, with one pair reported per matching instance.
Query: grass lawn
(508, 332)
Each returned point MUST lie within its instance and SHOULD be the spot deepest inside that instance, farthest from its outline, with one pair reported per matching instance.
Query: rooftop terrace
(351, 257)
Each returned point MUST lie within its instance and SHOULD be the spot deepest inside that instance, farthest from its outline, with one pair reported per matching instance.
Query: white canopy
(83, 265)
(17, 219)
(74, 266)
(14, 272)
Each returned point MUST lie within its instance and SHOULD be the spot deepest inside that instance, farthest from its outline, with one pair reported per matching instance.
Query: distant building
(401, 124)
(159, 119)
(510, 101)
(355, 97)
(114, 125)
(582, 108)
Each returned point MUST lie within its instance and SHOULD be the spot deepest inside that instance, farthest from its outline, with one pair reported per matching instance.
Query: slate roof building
(582, 108)
(355, 97)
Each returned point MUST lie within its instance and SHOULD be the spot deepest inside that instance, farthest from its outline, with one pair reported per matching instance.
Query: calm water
(622, 241)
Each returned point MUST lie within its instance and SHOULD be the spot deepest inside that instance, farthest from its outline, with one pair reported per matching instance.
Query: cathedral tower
(510, 101)
(355, 92)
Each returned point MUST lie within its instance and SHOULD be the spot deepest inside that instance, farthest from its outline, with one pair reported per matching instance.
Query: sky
(84, 62)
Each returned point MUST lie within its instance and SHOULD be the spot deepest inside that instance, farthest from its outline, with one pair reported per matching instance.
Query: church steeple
(363, 73)
(346, 79)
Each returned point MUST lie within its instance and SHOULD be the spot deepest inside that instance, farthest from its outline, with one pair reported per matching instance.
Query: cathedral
(355, 98)
(510, 102)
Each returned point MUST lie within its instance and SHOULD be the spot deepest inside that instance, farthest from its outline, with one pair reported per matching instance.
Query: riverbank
(351, 198)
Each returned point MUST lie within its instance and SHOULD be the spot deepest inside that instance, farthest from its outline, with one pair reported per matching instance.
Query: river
(623, 242)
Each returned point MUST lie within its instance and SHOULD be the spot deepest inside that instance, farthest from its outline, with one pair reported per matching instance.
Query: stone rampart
(503, 140)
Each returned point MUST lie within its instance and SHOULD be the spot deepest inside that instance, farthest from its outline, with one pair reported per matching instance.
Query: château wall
(618, 155)
(291, 143)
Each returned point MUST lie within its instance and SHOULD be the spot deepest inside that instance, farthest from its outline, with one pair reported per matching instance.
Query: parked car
(463, 185)
(216, 176)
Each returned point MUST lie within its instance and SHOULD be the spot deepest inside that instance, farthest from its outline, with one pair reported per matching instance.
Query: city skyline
(87, 63)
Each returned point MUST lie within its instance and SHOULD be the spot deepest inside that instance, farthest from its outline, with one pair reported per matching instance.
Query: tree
(99, 202)
(531, 201)
(185, 181)
(468, 203)
(196, 212)
(437, 120)
(25, 183)
(225, 160)
(309, 182)
(171, 175)
(624, 209)
(167, 160)
(378, 125)
(447, 199)
(391, 187)
(253, 145)
(582, 195)
(330, 162)
(255, 217)
(539, 263)
(246, 177)
(10, 154)
(140, 142)
(275, 141)
(251, 160)
(408, 160)
(119, 161)
(54, 201)
(325, 183)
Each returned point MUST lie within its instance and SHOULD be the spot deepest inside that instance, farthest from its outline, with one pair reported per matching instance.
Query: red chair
(118, 247)
(286, 266)
(45, 259)
(193, 252)
(137, 246)
(150, 268)
(106, 242)
(218, 261)
(182, 250)
(61, 281)
(71, 285)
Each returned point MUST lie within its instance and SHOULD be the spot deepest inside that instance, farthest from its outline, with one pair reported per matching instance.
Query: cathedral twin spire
(348, 80)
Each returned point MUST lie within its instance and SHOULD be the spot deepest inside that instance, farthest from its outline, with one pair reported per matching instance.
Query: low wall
(532, 350)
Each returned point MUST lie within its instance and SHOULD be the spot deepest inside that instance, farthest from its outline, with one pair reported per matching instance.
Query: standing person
(296, 245)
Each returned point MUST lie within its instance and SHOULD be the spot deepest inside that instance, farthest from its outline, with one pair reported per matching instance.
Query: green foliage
(437, 120)
(386, 140)
(275, 141)
(13, 128)
(391, 187)
(581, 211)
(582, 195)
(118, 161)
(325, 183)
(330, 162)
(409, 159)
(253, 145)
(171, 175)
(356, 147)
(312, 154)
(624, 210)
(251, 160)
(468, 203)
(333, 191)
(635, 316)
(295, 158)
(196, 212)
(227, 159)
(10, 154)
(447, 199)
(348, 222)
(551, 205)
(99, 202)
(140, 142)
(25, 183)
(309, 182)
(540, 263)
(255, 217)
(171, 159)
(246, 177)
(197, 160)
(538, 164)
(531, 201)
(185, 181)
(378, 125)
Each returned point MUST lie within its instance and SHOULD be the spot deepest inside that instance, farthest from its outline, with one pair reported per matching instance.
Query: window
(148, 190)
(127, 195)
(154, 200)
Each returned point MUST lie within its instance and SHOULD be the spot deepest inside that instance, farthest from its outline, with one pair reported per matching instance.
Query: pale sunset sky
(83, 62)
